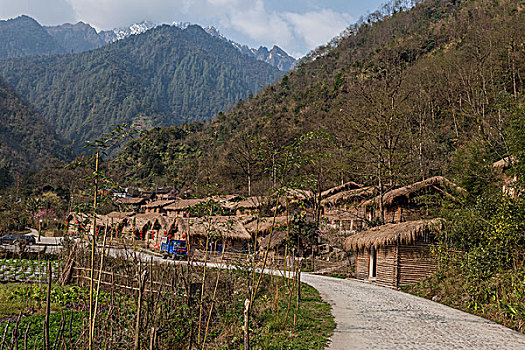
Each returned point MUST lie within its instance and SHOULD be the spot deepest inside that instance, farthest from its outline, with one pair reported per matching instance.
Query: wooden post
(48, 306)
(152, 339)
(246, 324)
(298, 284)
(142, 284)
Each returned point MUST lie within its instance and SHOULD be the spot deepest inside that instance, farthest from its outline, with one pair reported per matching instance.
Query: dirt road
(373, 317)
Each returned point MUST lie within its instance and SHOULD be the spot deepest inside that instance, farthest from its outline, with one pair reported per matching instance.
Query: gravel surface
(374, 317)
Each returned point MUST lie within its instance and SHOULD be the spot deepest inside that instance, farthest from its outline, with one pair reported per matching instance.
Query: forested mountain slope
(393, 100)
(26, 141)
(166, 76)
(23, 36)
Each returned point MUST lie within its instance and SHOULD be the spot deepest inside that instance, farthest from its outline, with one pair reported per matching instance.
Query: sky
(297, 26)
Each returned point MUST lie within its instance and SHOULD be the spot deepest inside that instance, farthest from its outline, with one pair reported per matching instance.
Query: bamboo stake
(98, 282)
(254, 293)
(14, 333)
(289, 303)
(204, 277)
(48, 306)
(26, 335)
(142, 283)
(59, 333)
(94, 228)
(152, 339)
(213, 301)
(247, 324)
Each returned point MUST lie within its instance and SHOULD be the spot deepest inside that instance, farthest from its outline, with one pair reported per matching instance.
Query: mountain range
(164, 76)
(402, 96)
(24, 36)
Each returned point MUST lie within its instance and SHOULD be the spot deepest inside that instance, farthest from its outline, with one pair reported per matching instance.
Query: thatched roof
(226, 198)
(130, 200)
(120, 215)
(278, 238)
(411, 190)
(344, 187)
(218, 226)
(265, 224)
(504, 163)
(403, 233)
(114, 218)
(142, 220)
(182, 204)
(248, 203)
(166, 223)
(297, 194)
(358, 194)
(158, 204)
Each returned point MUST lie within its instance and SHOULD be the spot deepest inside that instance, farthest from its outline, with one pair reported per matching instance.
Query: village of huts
(383, 237)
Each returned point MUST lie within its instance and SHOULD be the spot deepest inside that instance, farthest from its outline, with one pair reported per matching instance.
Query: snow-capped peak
(181, 25)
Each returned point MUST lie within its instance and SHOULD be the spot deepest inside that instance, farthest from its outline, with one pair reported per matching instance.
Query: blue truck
(173, 248)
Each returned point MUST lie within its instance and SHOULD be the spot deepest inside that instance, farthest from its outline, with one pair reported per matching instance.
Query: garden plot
(24, 270)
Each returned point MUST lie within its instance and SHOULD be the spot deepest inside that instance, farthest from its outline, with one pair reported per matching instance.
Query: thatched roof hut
(402, 233)
(264, 224)
(184, 204)
(131, 200)
(218, 226)
(141, 222)
(226, 198)
(117, 217)
(344, 187)
(350, 196)
(437, 182)
(166, 223)
(297, 194)
(394, 254)
(158, 204)
(278, 238)
(250, 203)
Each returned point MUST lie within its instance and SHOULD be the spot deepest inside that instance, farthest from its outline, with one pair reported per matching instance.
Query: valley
(387, 161)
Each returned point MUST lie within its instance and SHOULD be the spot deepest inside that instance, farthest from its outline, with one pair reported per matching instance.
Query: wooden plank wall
(386, 266)
(415, 263)
(362, 259)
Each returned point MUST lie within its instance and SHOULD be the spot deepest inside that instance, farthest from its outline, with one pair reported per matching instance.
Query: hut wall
(362, 260)
(386, 266)
(415, 263)
(403, 213)
(386, 269)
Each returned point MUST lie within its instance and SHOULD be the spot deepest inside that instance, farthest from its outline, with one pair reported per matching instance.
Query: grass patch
(500, 298)
(314, 323)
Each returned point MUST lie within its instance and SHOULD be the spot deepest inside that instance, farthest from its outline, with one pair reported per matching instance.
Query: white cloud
(107, 14)
(317, 28)
(259, 24)
(48, 12)
(297, 27)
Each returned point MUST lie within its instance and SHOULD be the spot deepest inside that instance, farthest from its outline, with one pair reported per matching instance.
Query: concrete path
(374, 317)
